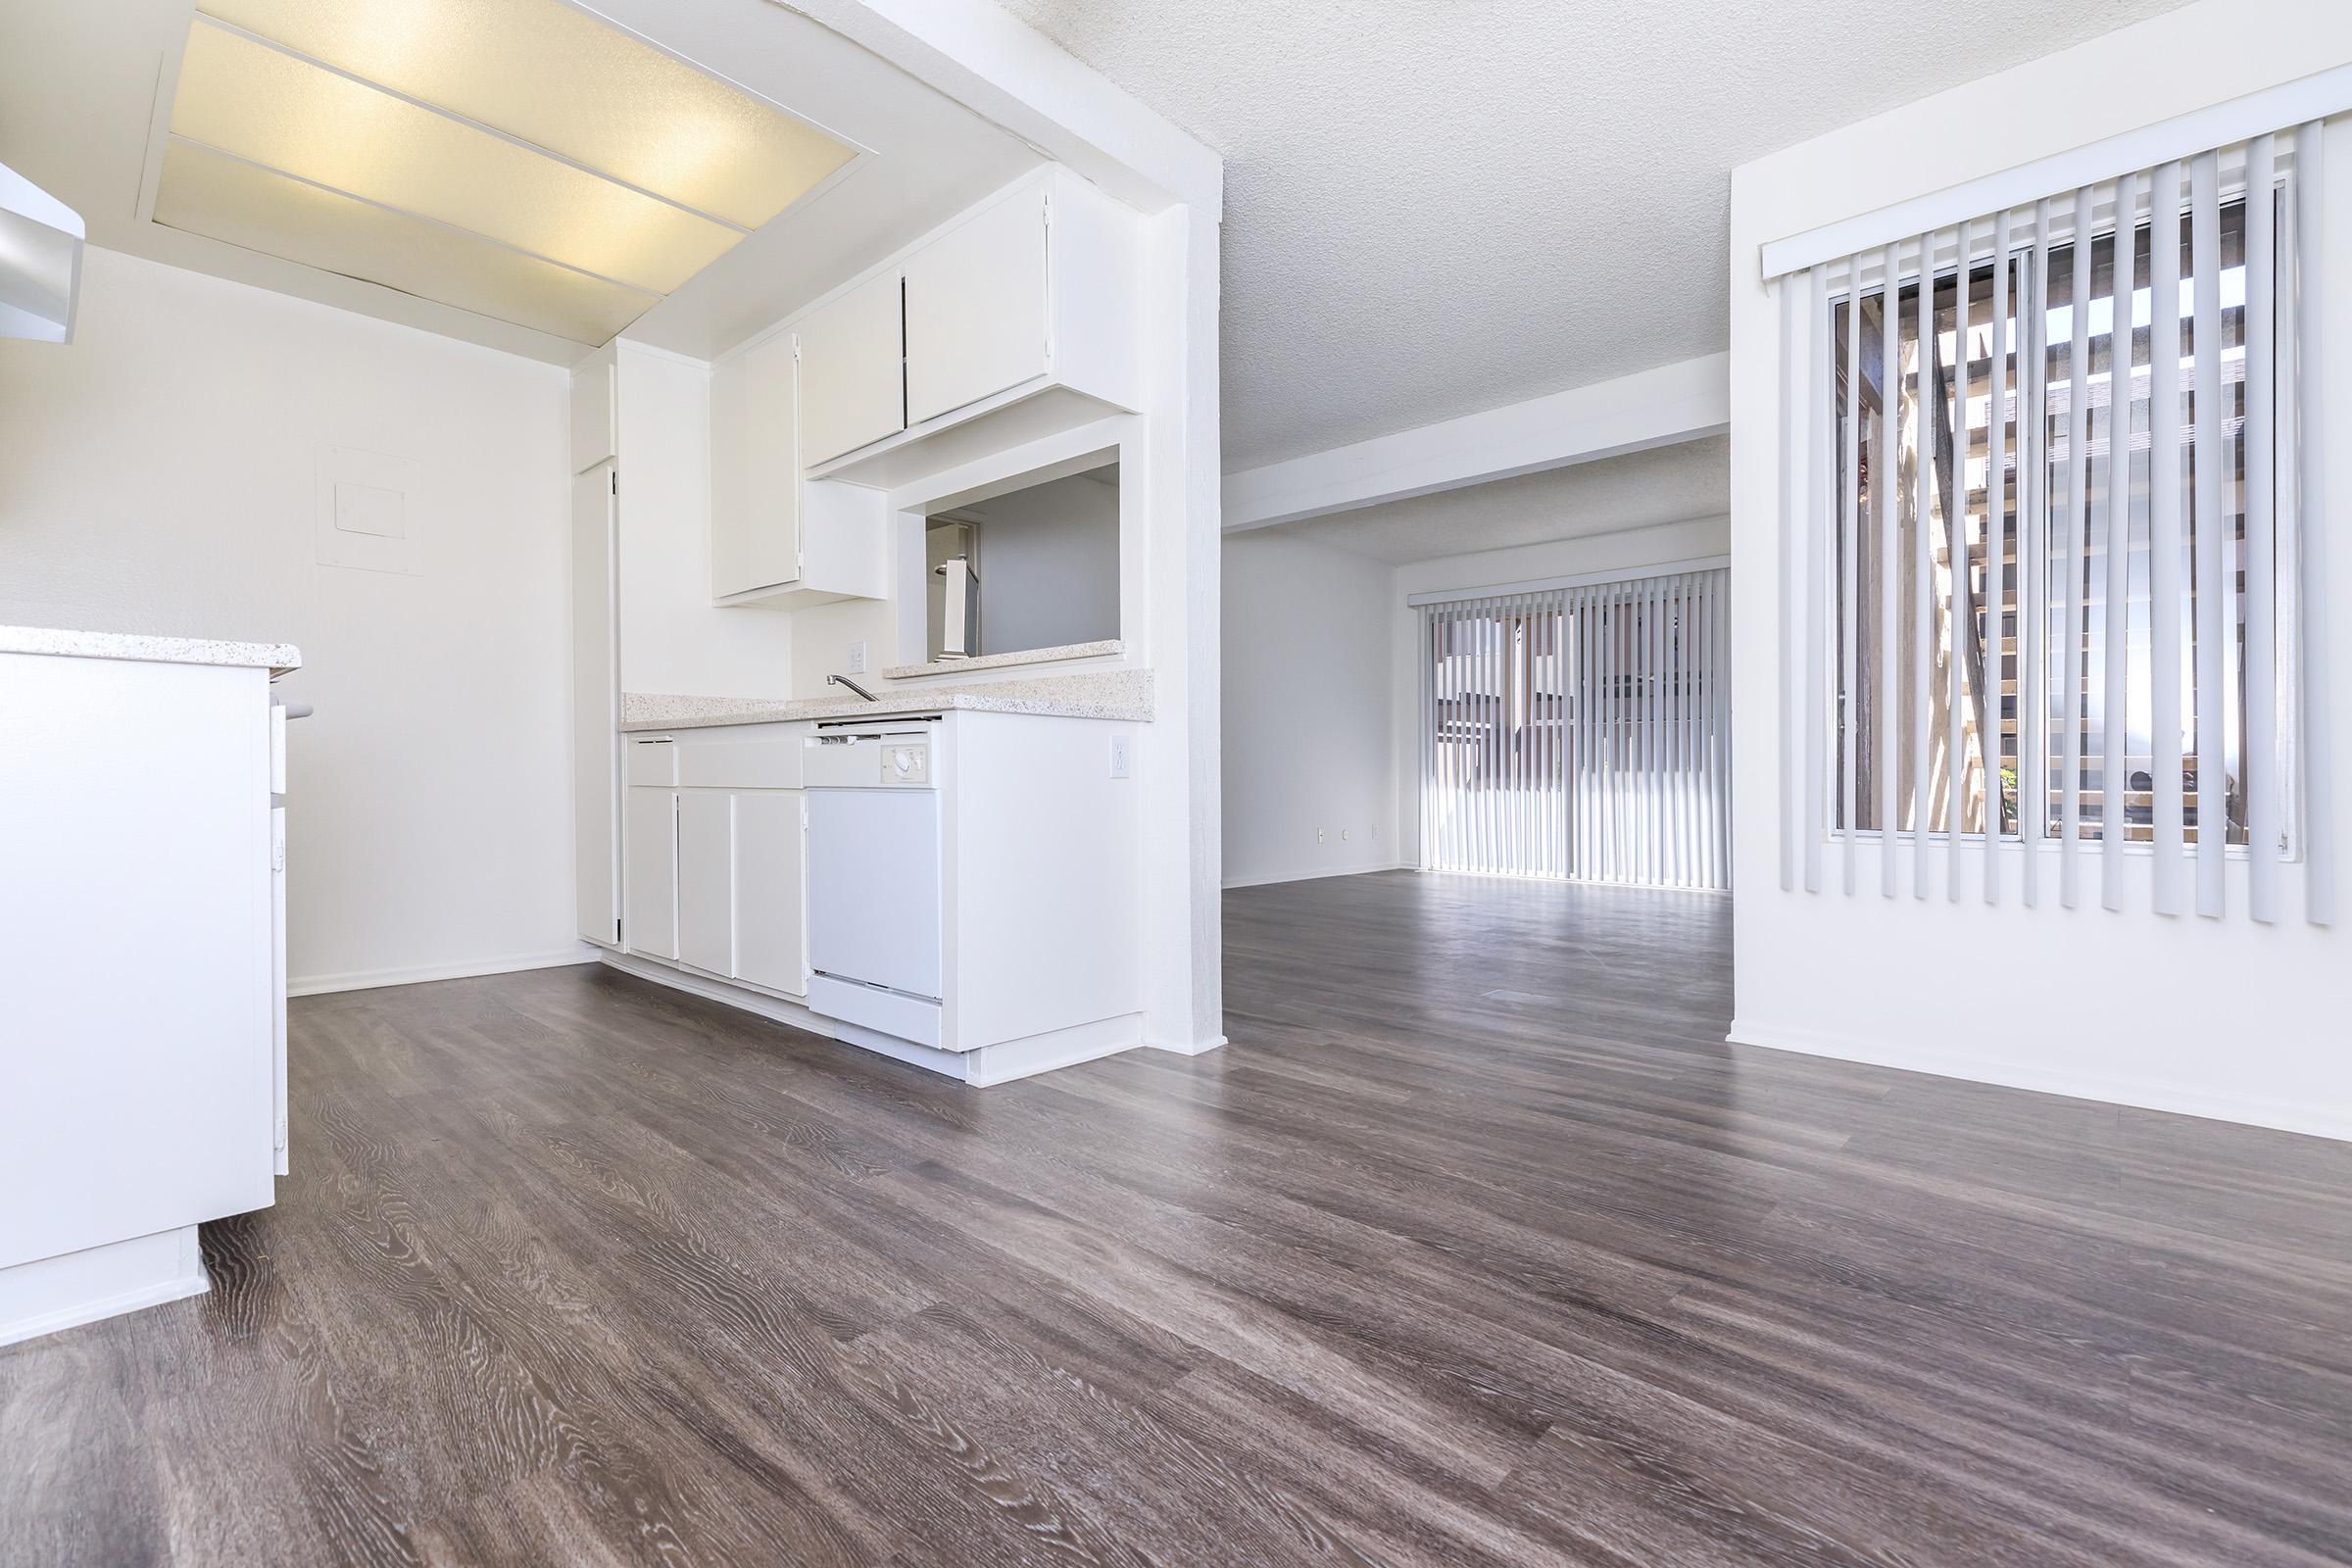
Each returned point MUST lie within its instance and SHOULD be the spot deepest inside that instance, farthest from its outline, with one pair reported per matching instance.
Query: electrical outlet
(1118, 756)
(858, 658)
(1376, 832)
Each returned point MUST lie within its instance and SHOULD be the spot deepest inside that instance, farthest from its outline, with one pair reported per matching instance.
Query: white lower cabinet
(649, 828)
(769, 871)
(717, 854)
(742, 883)
(142, 972)
(970, 881)
(707, 880)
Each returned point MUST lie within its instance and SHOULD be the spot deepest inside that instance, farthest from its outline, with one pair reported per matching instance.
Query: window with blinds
(2053, 494)
(1580, 731)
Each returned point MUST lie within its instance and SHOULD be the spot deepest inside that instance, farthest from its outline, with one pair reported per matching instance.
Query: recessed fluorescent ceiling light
(209, 193)
(515, 158)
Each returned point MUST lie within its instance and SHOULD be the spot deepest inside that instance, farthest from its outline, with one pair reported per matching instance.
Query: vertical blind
(1580, 732)
(2053, 503)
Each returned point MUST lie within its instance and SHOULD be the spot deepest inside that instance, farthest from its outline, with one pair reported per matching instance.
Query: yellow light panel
(248, 99)
(222, 199)
(555, 76)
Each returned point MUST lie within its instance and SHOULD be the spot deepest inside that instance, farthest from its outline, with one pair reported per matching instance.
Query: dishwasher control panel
(869, 761)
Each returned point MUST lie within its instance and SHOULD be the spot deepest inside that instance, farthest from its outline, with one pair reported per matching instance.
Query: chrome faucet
(844, 680)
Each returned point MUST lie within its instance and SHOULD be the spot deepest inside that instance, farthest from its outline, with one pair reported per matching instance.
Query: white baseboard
(465, 969)
(2113, 1089)
(1267, 878)
(49, 1294)
(982, 1067)
(1012, 1060)
(1198, 1047)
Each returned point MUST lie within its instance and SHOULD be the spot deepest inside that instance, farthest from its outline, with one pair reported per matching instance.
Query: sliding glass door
(1580, 731)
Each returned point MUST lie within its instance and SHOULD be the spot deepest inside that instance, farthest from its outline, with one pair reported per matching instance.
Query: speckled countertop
(1114, 694)
(276, 658)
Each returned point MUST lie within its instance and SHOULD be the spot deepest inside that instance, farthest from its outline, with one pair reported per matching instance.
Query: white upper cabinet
(595, 410)
(754, 471)
(777, 539)
(1030, 299)
(1019, 318)
(852, 390)
(976, 308)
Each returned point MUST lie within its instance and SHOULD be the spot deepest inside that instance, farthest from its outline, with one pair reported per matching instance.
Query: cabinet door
(707, 880)
(754, 471)
(653, 848)
(277, 956)
(852, 389)
(771, 889)
(976, 308)
(595, 710)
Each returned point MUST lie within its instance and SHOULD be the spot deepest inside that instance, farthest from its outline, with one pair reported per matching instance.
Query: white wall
(1306, 662)
(2217, 1017)
(161, 475)
(1048, 562)
(1628, 550)
(1322, 687)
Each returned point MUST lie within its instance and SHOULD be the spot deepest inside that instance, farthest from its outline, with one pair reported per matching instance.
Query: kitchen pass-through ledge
(1026, 656)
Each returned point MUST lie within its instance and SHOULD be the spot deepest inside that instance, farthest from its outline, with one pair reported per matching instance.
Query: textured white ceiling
(1670, 484)
(1434, 207)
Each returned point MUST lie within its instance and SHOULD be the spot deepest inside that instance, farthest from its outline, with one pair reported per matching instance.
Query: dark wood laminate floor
(1477, 1246)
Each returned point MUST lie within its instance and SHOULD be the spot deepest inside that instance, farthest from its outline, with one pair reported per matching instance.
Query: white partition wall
(1579, 730)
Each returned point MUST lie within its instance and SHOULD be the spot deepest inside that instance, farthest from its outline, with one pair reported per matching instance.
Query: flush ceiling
(518, 159)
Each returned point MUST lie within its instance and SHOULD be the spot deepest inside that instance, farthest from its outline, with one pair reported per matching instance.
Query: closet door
(595, 709)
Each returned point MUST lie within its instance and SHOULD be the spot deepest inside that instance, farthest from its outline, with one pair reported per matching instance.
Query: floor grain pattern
(1477, 1246)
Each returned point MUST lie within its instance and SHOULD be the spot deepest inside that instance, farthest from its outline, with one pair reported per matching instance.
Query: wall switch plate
(1118, 756)
(858, 658)
(1376, 832)
(1343, 835)
(1320, 835)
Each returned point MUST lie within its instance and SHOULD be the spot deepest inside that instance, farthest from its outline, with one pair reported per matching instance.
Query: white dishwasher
(875, 880)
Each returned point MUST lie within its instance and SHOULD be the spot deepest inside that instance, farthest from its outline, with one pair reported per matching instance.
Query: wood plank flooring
(1477, 1246)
